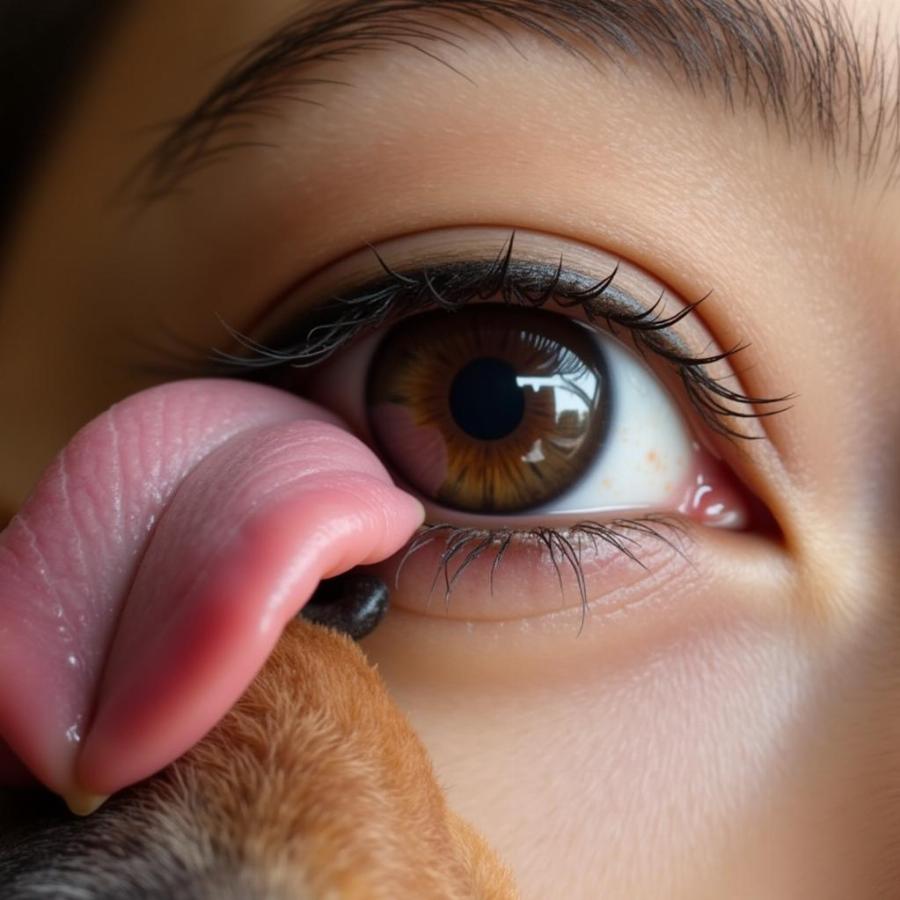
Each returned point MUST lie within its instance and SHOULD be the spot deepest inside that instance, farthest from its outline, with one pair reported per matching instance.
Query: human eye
(556, 408)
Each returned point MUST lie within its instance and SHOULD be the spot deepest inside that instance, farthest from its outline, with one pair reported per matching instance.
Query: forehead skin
(693, 752)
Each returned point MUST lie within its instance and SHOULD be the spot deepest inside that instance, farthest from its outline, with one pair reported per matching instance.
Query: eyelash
(563, 546)
(450, 287)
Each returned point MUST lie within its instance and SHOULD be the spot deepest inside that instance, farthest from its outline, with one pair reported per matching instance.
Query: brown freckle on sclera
(654, 460)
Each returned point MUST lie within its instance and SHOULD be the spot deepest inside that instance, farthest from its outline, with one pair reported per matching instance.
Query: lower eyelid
(531, 580)
(488, 573)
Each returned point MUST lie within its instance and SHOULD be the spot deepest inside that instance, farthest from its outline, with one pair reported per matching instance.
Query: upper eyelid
(523, 282)
(482, 277)
(418, 286)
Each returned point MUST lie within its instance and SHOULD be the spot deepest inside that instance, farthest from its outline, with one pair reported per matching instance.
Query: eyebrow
(800, 63)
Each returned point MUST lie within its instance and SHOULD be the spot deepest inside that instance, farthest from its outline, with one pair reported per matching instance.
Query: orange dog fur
(314, 786)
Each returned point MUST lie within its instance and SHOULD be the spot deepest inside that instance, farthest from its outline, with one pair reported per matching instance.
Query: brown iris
(492, 409)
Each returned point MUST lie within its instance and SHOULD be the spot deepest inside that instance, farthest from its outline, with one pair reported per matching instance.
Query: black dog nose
(353, 603)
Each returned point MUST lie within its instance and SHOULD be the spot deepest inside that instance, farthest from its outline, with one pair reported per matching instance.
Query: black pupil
(486, 400)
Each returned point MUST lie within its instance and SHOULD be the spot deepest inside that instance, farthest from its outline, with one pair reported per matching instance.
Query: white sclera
(645, 459)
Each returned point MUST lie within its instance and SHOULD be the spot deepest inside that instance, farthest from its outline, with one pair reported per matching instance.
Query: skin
(724, 728)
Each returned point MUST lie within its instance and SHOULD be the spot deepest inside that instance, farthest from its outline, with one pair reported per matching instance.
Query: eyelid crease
(332, 325)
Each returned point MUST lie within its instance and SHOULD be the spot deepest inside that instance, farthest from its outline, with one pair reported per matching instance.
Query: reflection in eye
(501, 410)
(495, 384)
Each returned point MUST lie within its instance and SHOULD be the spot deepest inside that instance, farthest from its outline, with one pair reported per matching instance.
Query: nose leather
(353, 604)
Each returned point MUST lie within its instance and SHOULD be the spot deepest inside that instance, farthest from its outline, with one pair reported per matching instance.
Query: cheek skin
(574, 755)
(711, 743)
(834, 796)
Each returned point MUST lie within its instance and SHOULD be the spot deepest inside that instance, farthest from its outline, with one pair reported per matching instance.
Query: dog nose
(353, 603)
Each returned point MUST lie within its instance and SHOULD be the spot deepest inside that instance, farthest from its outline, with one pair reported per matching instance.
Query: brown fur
(317, 782)
(314, 787)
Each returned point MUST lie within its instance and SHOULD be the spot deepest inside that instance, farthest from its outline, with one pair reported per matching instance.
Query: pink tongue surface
(151, 572)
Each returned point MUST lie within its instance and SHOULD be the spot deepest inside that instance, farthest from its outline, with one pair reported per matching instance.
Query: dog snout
(354, 604)
(313, 786)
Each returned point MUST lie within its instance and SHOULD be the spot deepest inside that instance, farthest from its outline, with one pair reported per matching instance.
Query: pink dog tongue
(150, 574)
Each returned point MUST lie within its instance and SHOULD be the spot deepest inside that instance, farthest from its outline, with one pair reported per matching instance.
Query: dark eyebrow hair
(801, 63)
